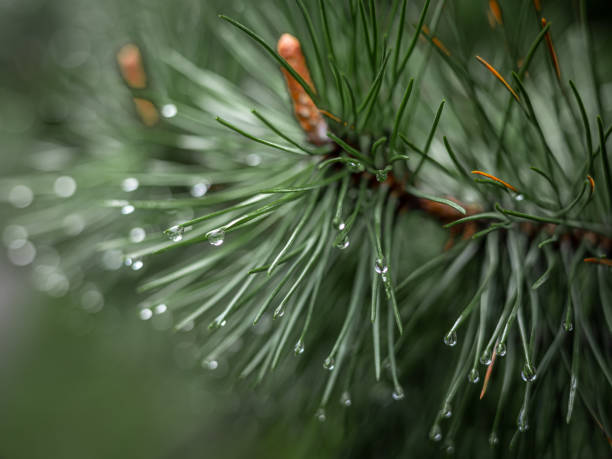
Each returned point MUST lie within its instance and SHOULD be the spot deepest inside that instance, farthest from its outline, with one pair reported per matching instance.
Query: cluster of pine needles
(433, 257)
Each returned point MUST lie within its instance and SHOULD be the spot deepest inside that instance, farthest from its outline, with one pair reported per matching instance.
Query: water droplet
(435, 433)
(92, 300)
(446, 411)
(74, 224)
(210, 364)
(137, 234)
(188, 326)
(528, 373)
(112, 260)
(521, 422)
(485, 358)
(200, 189)
(169, 111)
(473, 376)
(21, 196)
(279, 312)
(15, 236)
(345, 399)
(161, 308)
(216, 237)
(380, 266)
(344, 243)
(175, 233)
(223, 323)
(320, 415)
(451, 338)
(22, 255)
(329, 363)
(135, 263)
(253, 159)
(145, 314)
(568, 326)
(338, 224)
(354, 166)
(381, 175)
(493, 439)
(299, 347)
(501, 349)
(64, 186)
(130, 184)
(449, 448)
(127, 209)
(398, 393)
(51, 280)
(519, 197)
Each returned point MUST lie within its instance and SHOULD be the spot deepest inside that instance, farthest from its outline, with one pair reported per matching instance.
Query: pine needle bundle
(396, 227)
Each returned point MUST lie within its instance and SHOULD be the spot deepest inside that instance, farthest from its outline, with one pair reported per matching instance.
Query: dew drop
(485, 358)
(22, 255)
(519, 197)
(451, 338)
(223, 323)
(199, 189)
(398, 393)
(329, 363)
(21, 196)
(161, 308)
(521, 422)
(345, 399)
(135, 263)
(15, 236)
(338, 224)
(210, 364)
(435, 433)
(74, 224)
(528, 373)
(568, 326)
(92, 300)
(449, 447)
(51, 280)
(216, 237)
(64, 186)
(253, 159)
(175, 233)
(380, 266)
(145, 314)
(279, 312)
(446, 411)
(354, 166)
(188, 326)
(493, 439)
(137, 234)
(112, 260)
(501, 349)
(130, 184)
(344, 243)
(473, 376)
(127, 209)
(169, 111)
(299, 347)
(320, 415)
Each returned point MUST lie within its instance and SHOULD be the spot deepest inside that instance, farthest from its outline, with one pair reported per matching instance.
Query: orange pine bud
(306, 112)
